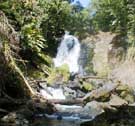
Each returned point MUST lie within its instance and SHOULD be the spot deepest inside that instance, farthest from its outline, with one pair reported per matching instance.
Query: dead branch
(91, 77)
(66, 102)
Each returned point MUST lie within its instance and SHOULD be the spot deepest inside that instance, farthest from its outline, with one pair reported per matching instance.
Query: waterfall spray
(68, 53)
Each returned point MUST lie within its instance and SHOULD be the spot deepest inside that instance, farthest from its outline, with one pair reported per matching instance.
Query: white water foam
(54, 93)
(68, 53)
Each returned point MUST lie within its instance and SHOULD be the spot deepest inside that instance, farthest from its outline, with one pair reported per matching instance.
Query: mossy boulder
(125, 92)
(87, 86)
(59, 75)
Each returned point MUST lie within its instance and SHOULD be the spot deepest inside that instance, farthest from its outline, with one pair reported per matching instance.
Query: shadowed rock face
(70, 43)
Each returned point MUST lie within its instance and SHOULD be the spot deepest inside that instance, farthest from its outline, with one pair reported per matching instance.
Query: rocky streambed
(87, 100)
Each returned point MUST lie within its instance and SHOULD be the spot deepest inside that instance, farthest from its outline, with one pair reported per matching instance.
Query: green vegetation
(87, 86)
(117, 16)
(59, 75)
(38, 25)
(30, 32)
(41, 23)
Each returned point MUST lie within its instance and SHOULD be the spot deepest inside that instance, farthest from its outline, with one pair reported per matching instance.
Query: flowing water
(68, 53)
(47, 122)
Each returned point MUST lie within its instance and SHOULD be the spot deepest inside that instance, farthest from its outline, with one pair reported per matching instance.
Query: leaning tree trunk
(10, 74)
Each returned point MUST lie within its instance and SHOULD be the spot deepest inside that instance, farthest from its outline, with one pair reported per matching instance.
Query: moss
(36, 74)
(45, 58)
(87, 86)
(126, 93)
(60, 74)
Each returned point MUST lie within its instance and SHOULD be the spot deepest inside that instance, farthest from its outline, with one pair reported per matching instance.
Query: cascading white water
(68, 53)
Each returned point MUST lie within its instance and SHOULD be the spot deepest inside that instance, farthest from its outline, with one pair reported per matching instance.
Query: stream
(67, 114)
(47, 122)
(65, 96)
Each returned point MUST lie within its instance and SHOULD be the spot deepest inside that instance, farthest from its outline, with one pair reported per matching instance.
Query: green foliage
(59, 75)
(36, 74)
(115, 15)
(40, 24)
(26, 17)
(56, 17)
(32, 38)
(61, 16)
(80, 23)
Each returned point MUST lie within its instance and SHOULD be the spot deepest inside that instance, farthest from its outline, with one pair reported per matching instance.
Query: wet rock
(69, 93)
(117, 101)
(124, 116)
(93, 109)
(130, 98)
(74, 85)
(15, 119)
(101, 93)
(80, 93)
(26, 112)
(126, 92)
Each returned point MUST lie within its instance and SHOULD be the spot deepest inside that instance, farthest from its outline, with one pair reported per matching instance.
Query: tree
(57, 16)
(117, 16)
(114, 15)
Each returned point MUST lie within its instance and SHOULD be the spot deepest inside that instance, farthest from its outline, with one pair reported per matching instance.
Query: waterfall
(68, 53)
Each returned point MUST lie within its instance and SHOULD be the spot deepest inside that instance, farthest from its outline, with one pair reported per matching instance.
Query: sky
(85, 3)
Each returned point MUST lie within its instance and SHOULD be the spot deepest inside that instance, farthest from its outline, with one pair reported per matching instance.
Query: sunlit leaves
(115, 15)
